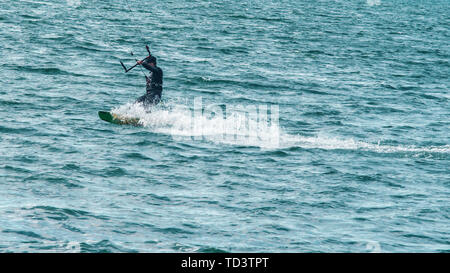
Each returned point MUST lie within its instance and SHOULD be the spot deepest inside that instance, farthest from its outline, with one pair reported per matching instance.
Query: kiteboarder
(154, 82)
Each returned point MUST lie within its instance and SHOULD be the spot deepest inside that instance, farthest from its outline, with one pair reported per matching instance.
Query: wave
(334, 143)
(241, 129)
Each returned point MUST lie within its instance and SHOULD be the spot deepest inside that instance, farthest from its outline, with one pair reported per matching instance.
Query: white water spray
(241, 129)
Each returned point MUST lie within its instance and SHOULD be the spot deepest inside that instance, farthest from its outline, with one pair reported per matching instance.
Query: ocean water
(355, 159)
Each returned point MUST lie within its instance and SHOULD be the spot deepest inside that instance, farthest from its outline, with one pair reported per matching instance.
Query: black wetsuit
(154, 85)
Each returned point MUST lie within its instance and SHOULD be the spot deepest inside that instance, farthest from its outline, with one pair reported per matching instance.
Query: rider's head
(152, 61)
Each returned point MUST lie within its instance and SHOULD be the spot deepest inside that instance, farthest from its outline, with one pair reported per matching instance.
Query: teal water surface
(362, 156)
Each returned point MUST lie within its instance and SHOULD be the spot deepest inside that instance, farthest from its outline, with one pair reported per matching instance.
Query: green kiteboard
(116, 119)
